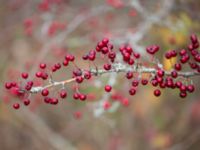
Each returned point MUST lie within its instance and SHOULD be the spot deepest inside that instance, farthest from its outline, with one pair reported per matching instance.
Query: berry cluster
(128, 62)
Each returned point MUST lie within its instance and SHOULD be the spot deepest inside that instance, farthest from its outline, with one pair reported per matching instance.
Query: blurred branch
(186, 144)
(44, 132)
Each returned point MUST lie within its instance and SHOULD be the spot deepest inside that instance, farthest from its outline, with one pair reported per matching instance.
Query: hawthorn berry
(76, 96)
(183, 94)
(16, 106)
(129, 75)
(174, 74)
(24, 75)
(157, 92)
(82, 97)
(65, 62)
(135, 83)
(38, 74)
(160, 73)
(177, 66)
(45, 92)
(144, 81)
(190, 88)
(152, 49)
(132, 91)
(47, 100)
(79, 79)
(8, 85)
(43, 66)
(108, 88)
(26, 102)
(107, 66)
(54, 101)
(87, 75)
(63, 94)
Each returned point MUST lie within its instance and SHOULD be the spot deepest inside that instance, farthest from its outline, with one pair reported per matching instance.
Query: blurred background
(35, 31)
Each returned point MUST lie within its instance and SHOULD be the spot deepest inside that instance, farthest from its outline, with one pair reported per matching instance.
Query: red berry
(162, 85)
(112, 55)
(105, 41)
(182, 52)
(160, 73)
(107, 66)
(43, 66)
(38, 74)
(79, 79)
(135, 83)
(193, 65)
(87, 75)
(105, 50)
(132, 91)
(54, 101)
(8, 85)
(183, 94)
(197, 57)
(154, 82)
(26, 102)
(168, 55)
(144, 81)
(65, 62)
(82, 97)
(152, 49)
(45, 76)
(76, 96)
(178, 84)
(157, 92)
(84, 57)
(173, 53)
(131, 62)
(177, 66)
(193, 38)
(63, 94)
(28, 87)
(108, 88)
(24, 75)
(57, 66)
(126, 57)
(47, 100)
(16, 106)
(129, 75)
(69, 57)
(14, 84)
(185, 58)
(53, 68)
(100, 45)
(129, 50)
(183, 88)
(30, 83)
(190, 88)
(136, 55)
(174, 74)
(45, 92)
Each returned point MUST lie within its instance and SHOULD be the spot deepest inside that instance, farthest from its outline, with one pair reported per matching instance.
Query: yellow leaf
(169, 63)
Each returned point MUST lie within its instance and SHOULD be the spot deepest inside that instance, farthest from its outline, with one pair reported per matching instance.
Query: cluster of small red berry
(158, 77)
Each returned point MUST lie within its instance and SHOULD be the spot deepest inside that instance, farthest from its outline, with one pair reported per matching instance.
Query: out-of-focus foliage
(148, 123)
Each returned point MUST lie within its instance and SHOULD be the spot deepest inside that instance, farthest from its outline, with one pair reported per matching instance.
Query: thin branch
(116, 68)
